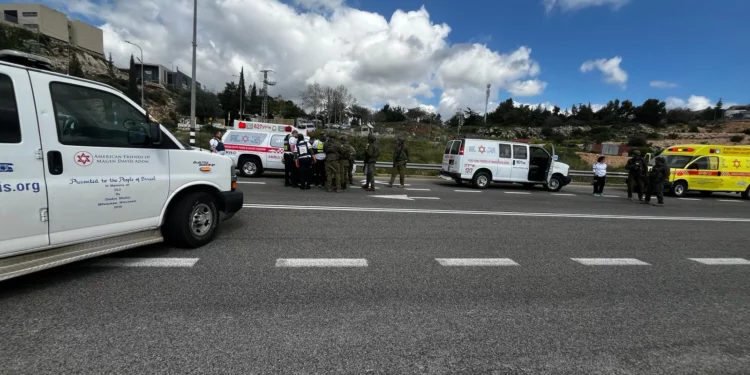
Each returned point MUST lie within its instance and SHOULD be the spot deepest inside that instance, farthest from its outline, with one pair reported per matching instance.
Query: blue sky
(700, 47)
(703, 48)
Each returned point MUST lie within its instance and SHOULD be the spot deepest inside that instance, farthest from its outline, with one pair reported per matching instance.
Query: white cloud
(573, 5)
(695, 103)
(663, 85)
(402, 59)
(611, 69)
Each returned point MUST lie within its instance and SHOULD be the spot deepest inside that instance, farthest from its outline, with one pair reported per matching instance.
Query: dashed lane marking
(320, 262)
(610, 261)
(475, 262)
(415, 189)
(144, 262)
(467, 191)
(251, 182)
(730, 200)
(688, 199)
(517, 192)
(611, 196)
(429, 198)
(564, 194)
(557, 215)
(721, 261)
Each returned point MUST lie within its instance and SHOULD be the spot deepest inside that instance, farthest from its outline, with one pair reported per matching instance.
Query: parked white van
(256, 147)
(482, 161)
(86, 173)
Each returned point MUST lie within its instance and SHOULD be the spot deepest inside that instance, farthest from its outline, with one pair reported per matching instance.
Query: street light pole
(143, 83)
(192, 81)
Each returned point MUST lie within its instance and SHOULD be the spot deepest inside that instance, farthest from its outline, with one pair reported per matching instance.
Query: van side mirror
(155, 132)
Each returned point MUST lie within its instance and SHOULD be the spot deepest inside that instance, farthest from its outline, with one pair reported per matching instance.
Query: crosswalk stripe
(320, 262)
(610, 261)
(144, 262)
(721, 261)
(473, 262)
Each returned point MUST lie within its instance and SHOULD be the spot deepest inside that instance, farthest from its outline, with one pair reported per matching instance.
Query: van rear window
(455, 147)
(448, 148)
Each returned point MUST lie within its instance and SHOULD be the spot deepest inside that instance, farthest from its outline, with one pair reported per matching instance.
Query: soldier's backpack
(346, 152)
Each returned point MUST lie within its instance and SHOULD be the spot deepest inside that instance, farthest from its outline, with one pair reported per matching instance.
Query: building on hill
(54, 24)
(157, 73)
(740, 112)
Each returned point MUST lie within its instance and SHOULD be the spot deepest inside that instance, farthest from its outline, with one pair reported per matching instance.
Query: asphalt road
(250, 303)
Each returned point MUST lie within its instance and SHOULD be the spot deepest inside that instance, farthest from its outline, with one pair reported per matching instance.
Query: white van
(483, 161)
(85, 173)
(256, 147)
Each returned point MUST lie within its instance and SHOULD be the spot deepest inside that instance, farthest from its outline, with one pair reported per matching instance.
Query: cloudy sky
(441, 54)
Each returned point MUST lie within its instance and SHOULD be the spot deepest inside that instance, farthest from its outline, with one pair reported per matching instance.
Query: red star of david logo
(83, 158)
(244, 138)
(482, 149)
(680, 173)
(736, 163)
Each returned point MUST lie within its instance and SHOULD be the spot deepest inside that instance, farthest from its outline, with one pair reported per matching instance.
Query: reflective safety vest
(319, 150)
(286, 144)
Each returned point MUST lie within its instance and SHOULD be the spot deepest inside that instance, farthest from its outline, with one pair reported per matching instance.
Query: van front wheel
(554, 185)
(746, 194)
(192, 221)
(679, 189)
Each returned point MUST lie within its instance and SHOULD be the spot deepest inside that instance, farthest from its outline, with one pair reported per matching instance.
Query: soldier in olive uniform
(333, 173)
(353, 151)
(400, 157)
(636, 167)
(344, 165)
(656, 178)
(371, 157)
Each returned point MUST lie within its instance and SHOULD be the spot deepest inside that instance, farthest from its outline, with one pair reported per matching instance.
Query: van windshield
(674, 161)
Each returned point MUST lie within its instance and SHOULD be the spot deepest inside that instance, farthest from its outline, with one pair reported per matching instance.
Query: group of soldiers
(640, 178)
(328, 162)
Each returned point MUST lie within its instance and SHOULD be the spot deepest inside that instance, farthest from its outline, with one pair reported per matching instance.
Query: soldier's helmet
(637, 153)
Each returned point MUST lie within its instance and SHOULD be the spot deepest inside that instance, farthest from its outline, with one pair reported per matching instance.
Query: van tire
(481, 180)
(192, 221)
(555, 184)
(679, 189)
(746, 193)
(250, 166)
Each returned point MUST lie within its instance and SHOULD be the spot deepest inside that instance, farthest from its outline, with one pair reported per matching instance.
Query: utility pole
(266, 83)
(487, 102)
(240, 85)
(192, 81)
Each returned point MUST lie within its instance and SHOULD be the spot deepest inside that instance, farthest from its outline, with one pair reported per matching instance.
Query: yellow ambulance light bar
(681, 149)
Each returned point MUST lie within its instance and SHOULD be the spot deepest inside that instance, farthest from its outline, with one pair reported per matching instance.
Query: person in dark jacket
(656, 178)
(304, 158)
(371, 157)
(636, 168)
(400, 157)
(344, 157)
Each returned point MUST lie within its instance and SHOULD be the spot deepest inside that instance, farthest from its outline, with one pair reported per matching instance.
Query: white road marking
(688, 199)
(564, 194)
(144, 262)
(721, 261)
(415, 189)
(473, 262)
(610, 261)
(730, 200)
(467, 191)
(400, 197)
(251, 182)
(611, 196)
(321, 262)
(433, 198)
(496, 213)
(517, 192)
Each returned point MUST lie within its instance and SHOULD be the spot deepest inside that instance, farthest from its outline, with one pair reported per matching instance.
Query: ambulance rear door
(451, 160)
(239, 142)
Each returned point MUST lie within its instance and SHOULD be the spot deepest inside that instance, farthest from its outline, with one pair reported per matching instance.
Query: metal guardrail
(437, 167)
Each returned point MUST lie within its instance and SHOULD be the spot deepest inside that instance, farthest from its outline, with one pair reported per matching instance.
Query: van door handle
(514, 162)
(54, 162)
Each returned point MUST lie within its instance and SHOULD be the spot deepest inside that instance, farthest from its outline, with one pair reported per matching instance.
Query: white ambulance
(256, 147)
(482, 161)
(84, 172)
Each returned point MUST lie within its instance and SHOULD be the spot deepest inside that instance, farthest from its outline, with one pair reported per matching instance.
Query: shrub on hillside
(694, 129)
(746, 131)
(637, 141)
(673, 136)
(737, 138)
(653, 135)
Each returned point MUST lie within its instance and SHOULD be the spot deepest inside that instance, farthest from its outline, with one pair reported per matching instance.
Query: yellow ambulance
(708, 169)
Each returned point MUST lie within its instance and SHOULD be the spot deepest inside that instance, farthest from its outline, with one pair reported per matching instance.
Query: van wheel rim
(553, 183)
(482, 181)
(250, 168)
(679, 190)
(201, 220)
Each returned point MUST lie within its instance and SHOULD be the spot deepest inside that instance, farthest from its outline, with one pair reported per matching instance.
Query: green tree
(111, 64)
(256, 101)
(75, 67)
(230, 100)
(719, 110)
(627, 110)
(651, 112)
(132, 92)
(206, 105)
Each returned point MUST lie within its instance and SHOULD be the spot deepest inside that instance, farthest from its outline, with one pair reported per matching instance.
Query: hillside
(161, 103)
